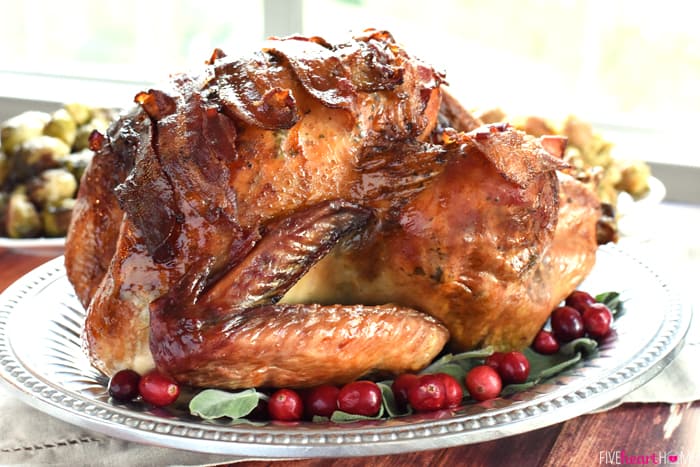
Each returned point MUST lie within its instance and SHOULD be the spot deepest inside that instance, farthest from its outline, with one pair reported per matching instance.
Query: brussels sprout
(51, 186)
(36, 155)
(4, 201)
(80, 113)
(56, 217)
(77, 162)
(22, 219)
(62, 126)
(83, 135)
(4, 167)
(21, 128)
(102, 114)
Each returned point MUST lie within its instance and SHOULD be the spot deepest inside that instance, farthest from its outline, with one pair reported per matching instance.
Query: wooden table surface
(615, 437)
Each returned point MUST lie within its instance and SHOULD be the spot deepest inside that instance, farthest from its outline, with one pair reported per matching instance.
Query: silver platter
(42, 363)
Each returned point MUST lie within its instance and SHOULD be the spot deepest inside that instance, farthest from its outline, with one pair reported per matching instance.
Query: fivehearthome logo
(622, 457)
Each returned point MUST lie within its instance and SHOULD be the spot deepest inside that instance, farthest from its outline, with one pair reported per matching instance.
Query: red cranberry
(567, 324)
(596, 320)
(514, 368)
(483, 383)
(453, 391)
(124, 385)
(494, 360)
(579, 300)
(545, 343)
(285, 405)
(360, 398)
(428, 394)
(158, 389)
(321, 400)
(400, 387)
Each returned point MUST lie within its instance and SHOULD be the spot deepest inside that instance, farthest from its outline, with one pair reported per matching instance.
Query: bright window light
(622, 64)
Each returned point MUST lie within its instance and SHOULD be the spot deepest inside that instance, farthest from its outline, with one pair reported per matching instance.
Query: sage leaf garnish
(342, 417)
(465, 359)
(546, 366)
(389, 401)
(458, 370)
(214, 403)
(559, 367)
(582, 345)
(513, 388)
(612, 301)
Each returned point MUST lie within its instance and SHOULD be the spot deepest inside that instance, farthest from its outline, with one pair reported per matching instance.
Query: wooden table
(615, 437)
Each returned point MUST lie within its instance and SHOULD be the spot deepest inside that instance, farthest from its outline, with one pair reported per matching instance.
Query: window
(623, 64)
(116, 45)
(630, 67)
(125, 40)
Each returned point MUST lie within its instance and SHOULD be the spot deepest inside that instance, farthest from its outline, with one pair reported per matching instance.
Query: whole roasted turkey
(345, 169)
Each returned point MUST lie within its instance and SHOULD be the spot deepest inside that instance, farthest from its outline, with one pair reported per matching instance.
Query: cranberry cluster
(426, 393)
(358, 398)
(500, 368)
(422, 392)
(153, 387)
(581, 315)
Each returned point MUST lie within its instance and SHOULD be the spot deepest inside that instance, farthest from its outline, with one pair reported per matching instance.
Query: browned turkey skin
(207, 203)
(490, 248)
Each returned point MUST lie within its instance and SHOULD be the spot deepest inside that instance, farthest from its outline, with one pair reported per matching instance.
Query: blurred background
(631, 68)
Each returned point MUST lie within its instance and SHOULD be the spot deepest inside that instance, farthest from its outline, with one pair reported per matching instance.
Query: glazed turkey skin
(495, 243)
(315, 213)
(209, 200)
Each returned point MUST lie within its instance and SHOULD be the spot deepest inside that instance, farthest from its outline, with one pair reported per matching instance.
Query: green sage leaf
(465, 359)
(513, 388)
(388, 401)
(341, 417)
(543, 367)
(559, 367)
(214, 403)
(612, 301)
(455, 370)
(245, 421)
(584, 345)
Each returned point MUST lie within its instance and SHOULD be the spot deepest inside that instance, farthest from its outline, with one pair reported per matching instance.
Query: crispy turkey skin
(345, 169)
(211, 198)
(490, 248)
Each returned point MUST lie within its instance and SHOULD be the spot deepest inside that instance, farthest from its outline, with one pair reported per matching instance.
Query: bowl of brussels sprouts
(42, 159)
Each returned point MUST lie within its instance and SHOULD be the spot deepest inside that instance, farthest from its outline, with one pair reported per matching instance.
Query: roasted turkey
(345, 169)
(496, 241)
